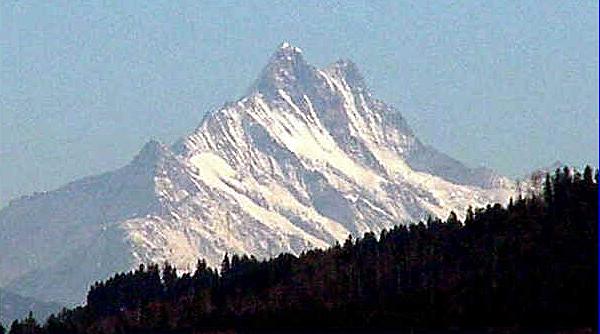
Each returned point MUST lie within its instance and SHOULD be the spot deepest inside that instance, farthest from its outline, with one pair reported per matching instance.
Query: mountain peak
(150, 153)
(285, 69)
(286, 55)
(346, 69)
(289, 48)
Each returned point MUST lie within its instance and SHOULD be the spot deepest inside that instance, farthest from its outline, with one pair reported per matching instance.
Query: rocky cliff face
(308, 157)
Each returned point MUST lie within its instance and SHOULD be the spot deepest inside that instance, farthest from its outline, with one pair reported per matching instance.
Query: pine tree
(15, 327)
(348, 243)
(588, 176)
(567, 175)
(452, 218)
(548, 195)
(169, 278)
(225, 265)
(27, 326)
(470, 216)
(200, 267)
(54, 326)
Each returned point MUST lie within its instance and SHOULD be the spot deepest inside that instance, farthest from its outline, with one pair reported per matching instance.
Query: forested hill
(530, 265)
(14, 306)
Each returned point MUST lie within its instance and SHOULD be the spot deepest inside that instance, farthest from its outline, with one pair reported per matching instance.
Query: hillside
(522, 268)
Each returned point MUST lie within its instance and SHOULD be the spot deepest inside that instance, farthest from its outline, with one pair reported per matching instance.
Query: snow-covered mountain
(308, 157)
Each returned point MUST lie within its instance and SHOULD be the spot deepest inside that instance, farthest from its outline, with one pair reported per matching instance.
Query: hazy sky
(508, 85)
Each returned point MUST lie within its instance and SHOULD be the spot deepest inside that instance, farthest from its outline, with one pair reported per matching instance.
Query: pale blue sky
(508, 85)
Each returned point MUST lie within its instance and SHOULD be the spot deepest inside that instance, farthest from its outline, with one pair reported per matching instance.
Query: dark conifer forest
(531, 265)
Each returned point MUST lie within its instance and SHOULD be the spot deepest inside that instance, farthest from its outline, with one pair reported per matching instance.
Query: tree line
(529, 265)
